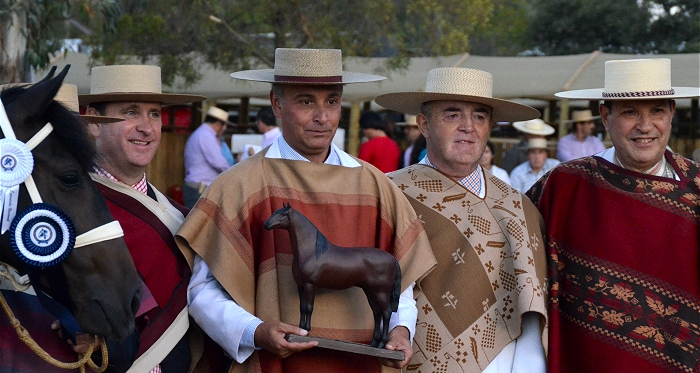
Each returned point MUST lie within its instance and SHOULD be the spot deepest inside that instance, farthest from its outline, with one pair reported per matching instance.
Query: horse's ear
(37, 98)
(285, 205)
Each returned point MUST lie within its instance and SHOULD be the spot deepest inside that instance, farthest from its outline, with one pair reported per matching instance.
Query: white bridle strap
(5, 123)
(33, 191)
(39, 136)
(104, 232)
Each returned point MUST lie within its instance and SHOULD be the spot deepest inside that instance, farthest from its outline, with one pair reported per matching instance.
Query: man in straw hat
(483, 307)
(149, 218)
(243, 292)
(412, 133)
(204, 160)
(580, 142)
(625, 275)
(538, 163)
(531, 129)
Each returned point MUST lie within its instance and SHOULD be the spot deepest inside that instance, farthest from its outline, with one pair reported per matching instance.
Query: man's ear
(422, 123)
(94, 129)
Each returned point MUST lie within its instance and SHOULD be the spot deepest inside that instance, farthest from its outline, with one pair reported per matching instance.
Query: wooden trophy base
(353, 347)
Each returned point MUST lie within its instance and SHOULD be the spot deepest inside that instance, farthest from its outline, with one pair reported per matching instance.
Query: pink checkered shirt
(472, 181)
(141, 186)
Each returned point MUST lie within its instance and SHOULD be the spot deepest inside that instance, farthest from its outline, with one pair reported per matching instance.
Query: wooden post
(354, 129)
(243, 110)
(563, 117)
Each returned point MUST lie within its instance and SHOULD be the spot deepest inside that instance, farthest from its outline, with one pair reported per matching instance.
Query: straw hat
(534, 127)
(306, 66)
(410, 121)
(68, 96)
(639, 79)
(219, 114)
(537, 143)
(131, 83)
(582, 116)
(457, 84)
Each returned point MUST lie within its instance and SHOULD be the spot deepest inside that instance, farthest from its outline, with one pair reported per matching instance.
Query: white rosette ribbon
(16, 165)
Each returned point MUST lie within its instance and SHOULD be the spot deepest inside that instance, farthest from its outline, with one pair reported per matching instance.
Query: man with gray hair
(483, 308)
(243, 290)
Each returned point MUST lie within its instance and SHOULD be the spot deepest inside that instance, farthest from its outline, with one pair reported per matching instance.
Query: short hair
(426, 108)
(278, 91)
(100, 107)
(370, 119)
(209, 119)
(267, 116)
(609, 103)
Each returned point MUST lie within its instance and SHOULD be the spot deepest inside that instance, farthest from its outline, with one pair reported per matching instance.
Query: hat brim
(520, 126)
(597, 94)
(268, 76)
(411, 102)
(163, 98)
(596, 117)
(98, 119)
(406, 124)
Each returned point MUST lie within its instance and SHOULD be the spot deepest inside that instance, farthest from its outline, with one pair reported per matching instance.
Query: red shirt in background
(382, 153)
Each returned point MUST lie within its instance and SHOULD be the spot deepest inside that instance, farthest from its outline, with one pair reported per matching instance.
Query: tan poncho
(491, 269)
(350, 206)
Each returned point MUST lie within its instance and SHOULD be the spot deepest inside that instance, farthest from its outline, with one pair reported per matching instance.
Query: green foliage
(675, 27)
(505, 34)
(623, 26)
(173, 31)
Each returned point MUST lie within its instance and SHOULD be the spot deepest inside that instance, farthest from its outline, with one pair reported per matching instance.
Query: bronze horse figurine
(103, 286)
(320, 264)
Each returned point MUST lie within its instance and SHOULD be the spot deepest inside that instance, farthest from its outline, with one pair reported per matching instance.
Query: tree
(562, 27)
(227, 33)
(675, 26)
(625, 26)
(505, 34)
(31, 31)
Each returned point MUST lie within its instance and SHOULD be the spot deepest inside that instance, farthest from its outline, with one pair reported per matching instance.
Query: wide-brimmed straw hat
(638, 79)
(582, 116)
(534, 127)
(457, 84)
(139, 83)
(537, 143)
(306, 66)
(219, 114)
(68, 96)
(410, 121)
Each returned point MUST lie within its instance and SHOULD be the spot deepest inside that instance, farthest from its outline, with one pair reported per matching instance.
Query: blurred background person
(204, 155)
(486, 162)
(531, 129)
(412, 133)
(580, 142)
(379, 150)
(267, 125)
(538, 164)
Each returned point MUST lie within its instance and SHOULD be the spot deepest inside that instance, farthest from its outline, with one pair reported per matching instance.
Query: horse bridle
(9, 190)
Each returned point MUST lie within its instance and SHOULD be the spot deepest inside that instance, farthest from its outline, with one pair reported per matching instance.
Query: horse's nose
(268, 226)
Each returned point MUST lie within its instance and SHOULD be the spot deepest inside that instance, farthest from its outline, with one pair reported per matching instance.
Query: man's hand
(270, 336)
(82, 341)
(399, 340)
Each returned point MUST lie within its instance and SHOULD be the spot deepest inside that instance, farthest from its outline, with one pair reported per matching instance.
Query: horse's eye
(70, 179)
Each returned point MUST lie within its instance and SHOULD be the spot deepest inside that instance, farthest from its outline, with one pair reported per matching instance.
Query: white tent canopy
(536, 78)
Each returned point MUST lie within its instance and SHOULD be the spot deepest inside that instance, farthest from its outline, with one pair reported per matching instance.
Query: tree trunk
(13, 44)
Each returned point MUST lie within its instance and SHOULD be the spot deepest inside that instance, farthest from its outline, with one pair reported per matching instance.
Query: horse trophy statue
(319, 263)
(58, 236)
